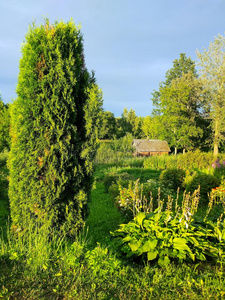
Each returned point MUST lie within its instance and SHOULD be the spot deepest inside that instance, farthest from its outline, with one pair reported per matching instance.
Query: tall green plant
(53, 130)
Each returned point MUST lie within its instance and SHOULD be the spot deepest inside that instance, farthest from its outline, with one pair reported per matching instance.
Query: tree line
(189, 106)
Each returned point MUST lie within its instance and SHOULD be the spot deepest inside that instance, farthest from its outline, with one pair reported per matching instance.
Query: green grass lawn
(103, 217)
(87, 268)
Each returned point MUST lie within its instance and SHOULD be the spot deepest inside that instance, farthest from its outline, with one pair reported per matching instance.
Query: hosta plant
(166, 235)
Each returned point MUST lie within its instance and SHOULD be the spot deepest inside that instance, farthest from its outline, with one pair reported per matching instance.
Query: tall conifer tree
(53, 131)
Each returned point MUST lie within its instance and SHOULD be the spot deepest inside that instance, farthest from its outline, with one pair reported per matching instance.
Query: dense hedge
(53, 130)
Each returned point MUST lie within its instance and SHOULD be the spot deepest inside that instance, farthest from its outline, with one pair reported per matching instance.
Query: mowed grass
(103, 217)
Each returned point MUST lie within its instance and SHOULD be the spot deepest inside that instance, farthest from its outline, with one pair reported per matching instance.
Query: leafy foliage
(188, 161)
(205, 181)
(107, 126)
(173, 178)
(129, 123)
(181, 109)
(53, 131)
(166, 235)
(211, 63)
(115, 178)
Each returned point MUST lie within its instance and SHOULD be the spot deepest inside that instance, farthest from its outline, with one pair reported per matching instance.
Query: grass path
(103, 217)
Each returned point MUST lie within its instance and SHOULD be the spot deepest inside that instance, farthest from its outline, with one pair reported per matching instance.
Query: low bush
(206, 183)
(173, 178)
(114, 190)
(115, 178)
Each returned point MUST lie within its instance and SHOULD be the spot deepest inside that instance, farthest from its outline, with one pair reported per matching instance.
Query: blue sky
(129, 44)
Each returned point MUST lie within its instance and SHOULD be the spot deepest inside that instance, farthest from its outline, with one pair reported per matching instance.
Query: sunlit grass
(55, 267)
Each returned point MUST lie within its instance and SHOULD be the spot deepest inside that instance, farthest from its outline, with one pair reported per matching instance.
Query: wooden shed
(150, 147)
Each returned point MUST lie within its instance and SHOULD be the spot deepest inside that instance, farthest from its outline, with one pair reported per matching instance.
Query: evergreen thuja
(53, 131)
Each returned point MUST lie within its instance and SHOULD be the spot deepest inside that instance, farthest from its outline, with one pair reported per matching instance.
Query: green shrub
(115, 178)
(53, 130)
(155, 189)
(172, 178)
(114, 190)
(205, 181)
(104, 154)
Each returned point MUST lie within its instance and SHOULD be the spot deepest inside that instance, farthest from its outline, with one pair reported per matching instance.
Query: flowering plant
(219, 192)
(172, 234)
(217, 195)
(217, 164)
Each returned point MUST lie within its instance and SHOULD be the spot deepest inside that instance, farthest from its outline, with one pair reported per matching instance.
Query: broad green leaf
(181, 254)
(192, 256)
(140, 217)
(149, 245)
(134, 245)
(223, 234)
(159, 234)
(180, 244)
(152, 255)
(127, 238)
(218, 233)
(193, 240)
(163, 261)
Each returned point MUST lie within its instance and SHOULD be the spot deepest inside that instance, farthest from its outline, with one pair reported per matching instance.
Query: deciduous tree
(180, 106)
(212, 70)
(107, 128)
(181, 66)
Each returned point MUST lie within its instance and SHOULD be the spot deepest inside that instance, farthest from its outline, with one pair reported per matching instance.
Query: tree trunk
(175, 151)
(216, 139)
(215, 149)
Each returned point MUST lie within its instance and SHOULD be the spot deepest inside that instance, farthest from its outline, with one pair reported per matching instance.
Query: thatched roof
(151, 145)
